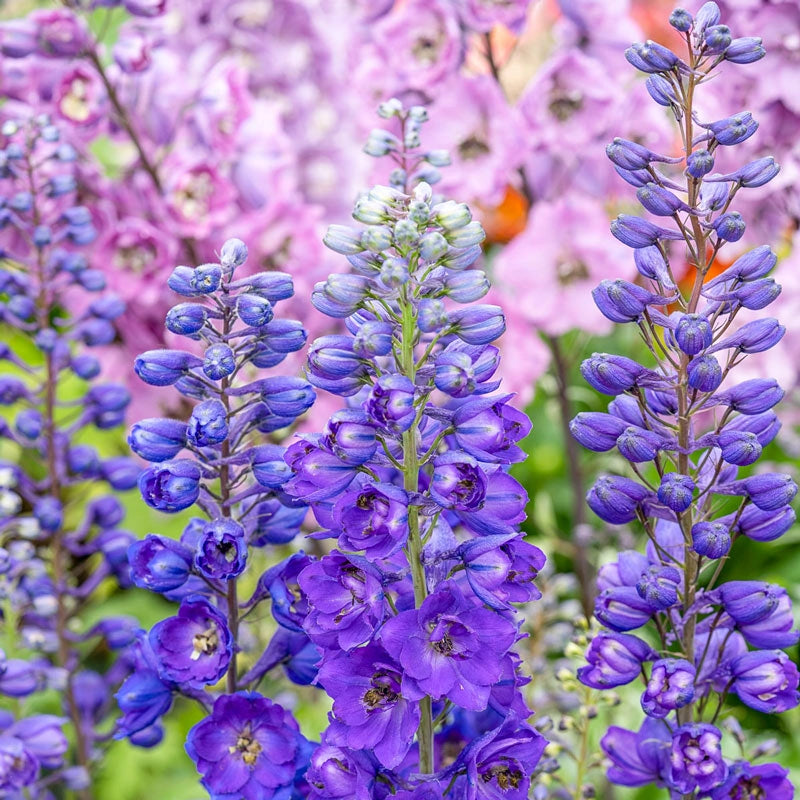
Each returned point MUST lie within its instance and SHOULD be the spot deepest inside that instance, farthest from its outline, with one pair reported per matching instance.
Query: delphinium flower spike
(247, 746)
(413, 611)
(687, 429)
(59, 537)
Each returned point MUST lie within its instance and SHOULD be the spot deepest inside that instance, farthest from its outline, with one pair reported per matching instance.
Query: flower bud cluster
(413, 610)
(60, 535)
(690, 434)
(214, 461)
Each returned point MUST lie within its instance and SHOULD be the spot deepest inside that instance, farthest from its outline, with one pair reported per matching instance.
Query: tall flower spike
(413, 612)
(215, 461)
(686, 469)
(60, 539)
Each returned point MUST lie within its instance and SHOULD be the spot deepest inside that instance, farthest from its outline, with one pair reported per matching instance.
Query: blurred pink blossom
(545, 276)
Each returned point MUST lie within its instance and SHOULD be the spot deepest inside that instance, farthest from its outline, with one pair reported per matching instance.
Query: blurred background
(247, 118)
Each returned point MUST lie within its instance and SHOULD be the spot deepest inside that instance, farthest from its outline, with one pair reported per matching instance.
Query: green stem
(60, 556)
(224, 505)
(414, 547)
(583, 755)
(583, 567)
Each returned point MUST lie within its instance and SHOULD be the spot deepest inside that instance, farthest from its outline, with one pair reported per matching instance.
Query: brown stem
(691, 559)
(583, 567)
(58, 553)
(126, 122)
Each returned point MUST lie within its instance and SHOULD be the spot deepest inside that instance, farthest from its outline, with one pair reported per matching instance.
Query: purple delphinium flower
(696, 758)
(499, 764)
(660, 419)
(246, 747)
(160, 564)
(449, 647)
(335, 772)
(221, 550)
(614, 659)
(345, 597)
(195, 646)
(372, 518)
(671, 686)
(766, 680)
(415, 607)
(638, 758)
(63, 544)
(370, 710)
(747, 780)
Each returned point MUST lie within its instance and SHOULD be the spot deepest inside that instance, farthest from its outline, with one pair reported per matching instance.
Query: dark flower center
(472, 148)
(136, 258)
(354, 581)
(425, 50)
(384, 692)
(444, 645)
(571, 271)
(205, 643)
(365, 502)
(248, 746)
(748, 789)
(563, 105)
(227, 551)
(506, 777)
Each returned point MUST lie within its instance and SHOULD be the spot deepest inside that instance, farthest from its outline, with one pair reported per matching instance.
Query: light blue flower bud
(451, 215)
(438, 158)
(406, 233)
(377, 238)
(381, 142)
(233, 253)
(466, 236)
(342, 239)
(432, 246)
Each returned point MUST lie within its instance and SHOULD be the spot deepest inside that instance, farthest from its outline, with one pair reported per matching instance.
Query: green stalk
(414, 546)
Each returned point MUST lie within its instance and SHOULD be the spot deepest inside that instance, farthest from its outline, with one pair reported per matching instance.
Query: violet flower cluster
(60, 541)
(686, 431)
(247, 746)
(413, 610)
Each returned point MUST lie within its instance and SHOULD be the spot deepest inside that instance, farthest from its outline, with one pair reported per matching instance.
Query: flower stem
(225, 509)
(58, 553)
(583, 754)
(584, 571)
(414, 546)
(127, 125)
(583, 568)
(691, 560)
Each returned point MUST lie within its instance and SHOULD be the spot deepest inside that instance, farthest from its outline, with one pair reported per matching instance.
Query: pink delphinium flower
(80, 99)
(199, 197)
(59, 32)
(570, 116)
(600, 27)
(472, 120)
(781, 361)
(420, 42)
(546, 274)
(565, 105)
(483, 15)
